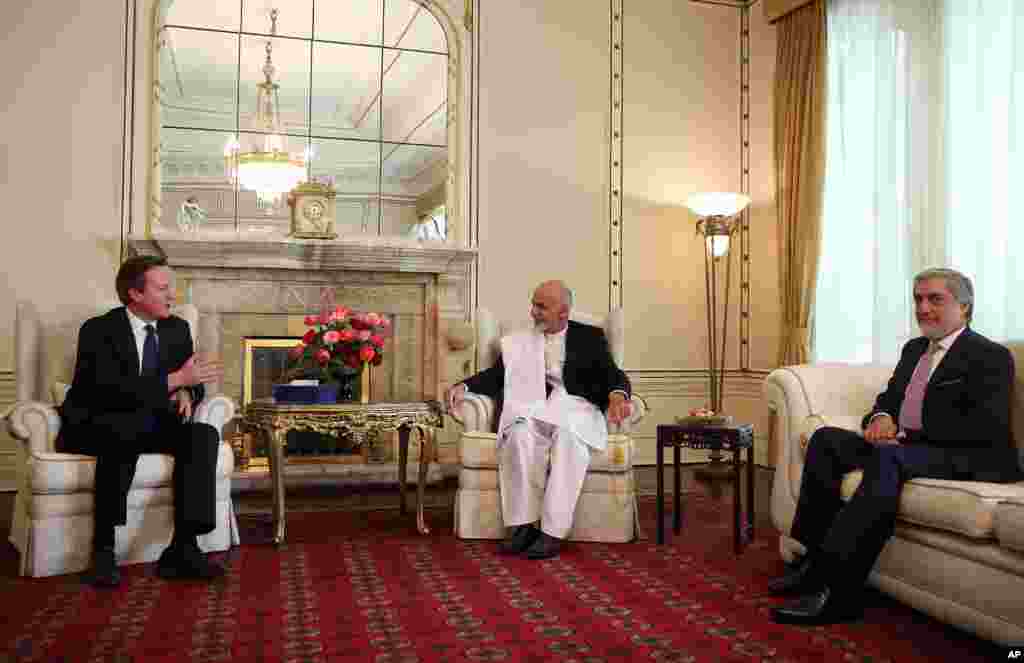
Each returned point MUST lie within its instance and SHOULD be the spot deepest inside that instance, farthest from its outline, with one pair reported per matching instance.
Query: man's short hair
(132, 274)
(957, 283)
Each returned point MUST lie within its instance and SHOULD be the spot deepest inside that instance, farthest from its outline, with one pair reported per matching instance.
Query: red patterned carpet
(364, 586)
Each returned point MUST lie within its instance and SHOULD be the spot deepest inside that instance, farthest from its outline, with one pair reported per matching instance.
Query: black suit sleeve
(489, 382)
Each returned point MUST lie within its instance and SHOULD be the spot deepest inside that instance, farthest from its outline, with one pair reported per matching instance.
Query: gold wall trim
(615, 193)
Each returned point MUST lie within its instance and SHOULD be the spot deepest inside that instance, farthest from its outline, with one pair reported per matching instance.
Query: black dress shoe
(186, 562)
(796, 580)
(521, 538)
(821, 607)
(104, 572)
(545, 547)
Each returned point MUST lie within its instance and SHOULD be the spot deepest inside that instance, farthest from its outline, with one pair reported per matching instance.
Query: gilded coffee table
(357, 419)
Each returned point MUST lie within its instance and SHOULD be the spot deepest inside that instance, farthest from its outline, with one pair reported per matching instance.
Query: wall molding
(8, 445)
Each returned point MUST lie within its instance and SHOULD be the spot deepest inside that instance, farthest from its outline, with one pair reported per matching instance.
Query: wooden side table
(356, 418)
(734, 438)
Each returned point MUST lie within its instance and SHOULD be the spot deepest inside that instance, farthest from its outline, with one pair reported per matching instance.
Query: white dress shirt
(139, 330)
(554, 357)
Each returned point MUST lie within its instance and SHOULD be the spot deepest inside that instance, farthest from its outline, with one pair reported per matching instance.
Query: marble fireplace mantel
(261, 284)
(274, 250)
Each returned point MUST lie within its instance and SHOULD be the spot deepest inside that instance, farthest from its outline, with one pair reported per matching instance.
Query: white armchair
(52, 523)
(606, 510)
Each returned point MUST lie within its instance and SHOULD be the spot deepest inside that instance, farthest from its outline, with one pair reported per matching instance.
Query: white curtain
(921, 157)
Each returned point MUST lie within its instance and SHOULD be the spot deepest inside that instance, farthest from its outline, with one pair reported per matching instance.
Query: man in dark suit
(945, 414)
(552, 386)
(136, 381)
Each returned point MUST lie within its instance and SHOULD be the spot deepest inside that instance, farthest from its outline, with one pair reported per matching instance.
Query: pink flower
(322, 356)
(346, 335)
(363, 334)
(342, 312)
(372, 319)
(367, 353)
(310, 320)
(377, 340)
(385, 322)
(332, 337)
(297, 351)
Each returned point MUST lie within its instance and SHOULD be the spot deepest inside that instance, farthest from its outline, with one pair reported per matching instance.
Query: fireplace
(262, 288)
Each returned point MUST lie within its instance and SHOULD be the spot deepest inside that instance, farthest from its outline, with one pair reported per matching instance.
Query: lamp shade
(717, 203)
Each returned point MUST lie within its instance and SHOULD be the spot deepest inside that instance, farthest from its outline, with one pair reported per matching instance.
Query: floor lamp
(717, 215)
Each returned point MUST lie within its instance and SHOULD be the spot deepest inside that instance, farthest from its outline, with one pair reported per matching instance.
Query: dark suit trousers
(116, 441)
(844, 540)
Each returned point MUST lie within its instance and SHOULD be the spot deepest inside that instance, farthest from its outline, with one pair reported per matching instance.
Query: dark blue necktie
(150, 356)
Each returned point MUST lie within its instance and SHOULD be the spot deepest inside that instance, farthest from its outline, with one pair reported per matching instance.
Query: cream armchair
(53, 509)
(606, 510)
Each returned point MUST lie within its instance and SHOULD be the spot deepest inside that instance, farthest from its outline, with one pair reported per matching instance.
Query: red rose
(366, 353)
(346, 335)
(377, 340)
(297, 351)
(323, 356)
(310, 320)
(309, 336)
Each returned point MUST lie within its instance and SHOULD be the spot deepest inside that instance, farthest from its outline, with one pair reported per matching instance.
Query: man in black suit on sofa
(135, 383)
(945, 414)
(552, 386)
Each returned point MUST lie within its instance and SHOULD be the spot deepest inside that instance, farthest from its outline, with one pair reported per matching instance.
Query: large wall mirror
(348, 93)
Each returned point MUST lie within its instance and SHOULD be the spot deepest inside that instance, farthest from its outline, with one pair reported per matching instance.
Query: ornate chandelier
(268, 168)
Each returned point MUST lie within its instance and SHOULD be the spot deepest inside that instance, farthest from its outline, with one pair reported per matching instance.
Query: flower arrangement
(338, 345)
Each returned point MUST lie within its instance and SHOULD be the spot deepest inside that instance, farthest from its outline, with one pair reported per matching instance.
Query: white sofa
(52, 523)
(958, 550)
(606, 510)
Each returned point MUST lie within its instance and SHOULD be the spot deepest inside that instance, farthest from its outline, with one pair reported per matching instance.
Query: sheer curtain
(921, 157)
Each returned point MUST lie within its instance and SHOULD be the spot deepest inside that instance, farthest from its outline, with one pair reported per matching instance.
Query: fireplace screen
(264, 362)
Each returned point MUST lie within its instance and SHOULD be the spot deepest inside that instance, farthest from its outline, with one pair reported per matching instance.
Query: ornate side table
(729, 437)
(357, 419)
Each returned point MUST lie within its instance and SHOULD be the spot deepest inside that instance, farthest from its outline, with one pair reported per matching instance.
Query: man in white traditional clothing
(552, 386)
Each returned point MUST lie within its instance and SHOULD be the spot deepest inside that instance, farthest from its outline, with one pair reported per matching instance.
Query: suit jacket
(589, 371)
(107, 390)
(966, 405)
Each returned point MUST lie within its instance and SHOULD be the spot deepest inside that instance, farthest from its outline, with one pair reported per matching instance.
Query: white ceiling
(198, 79)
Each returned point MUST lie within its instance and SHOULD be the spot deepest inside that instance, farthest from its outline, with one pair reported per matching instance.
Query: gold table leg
(425, 454)
(403, 458)
(277, 443)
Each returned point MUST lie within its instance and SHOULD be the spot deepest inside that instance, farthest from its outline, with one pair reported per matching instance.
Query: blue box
(305, 394)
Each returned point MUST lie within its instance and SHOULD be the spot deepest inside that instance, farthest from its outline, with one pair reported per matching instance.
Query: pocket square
(946, 383)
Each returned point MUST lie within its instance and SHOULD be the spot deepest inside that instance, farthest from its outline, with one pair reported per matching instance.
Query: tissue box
(305, 394)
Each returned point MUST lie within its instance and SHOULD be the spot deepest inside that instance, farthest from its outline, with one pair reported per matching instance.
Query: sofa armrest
(216, 411)
(35, 424)
(476, 413)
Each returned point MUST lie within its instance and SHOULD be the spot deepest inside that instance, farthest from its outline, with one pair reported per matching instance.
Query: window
(361, 90)
(922, 153)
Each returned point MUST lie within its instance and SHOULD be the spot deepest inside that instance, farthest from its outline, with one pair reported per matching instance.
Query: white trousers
(529, 491)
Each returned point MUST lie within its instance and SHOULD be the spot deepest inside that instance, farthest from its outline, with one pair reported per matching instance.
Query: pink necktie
(913, 397)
